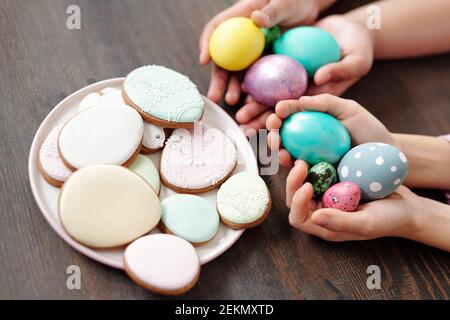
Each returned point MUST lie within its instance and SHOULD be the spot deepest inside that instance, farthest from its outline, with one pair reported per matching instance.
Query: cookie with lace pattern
(163, 97)
(243, 201)
(197, 160)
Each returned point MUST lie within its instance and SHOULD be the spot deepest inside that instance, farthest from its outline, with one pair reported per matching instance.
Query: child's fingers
(250, 111)
(295, 180)
(285, 108)
(286, 161)
(273, 122)
(338, 107)
(273, 140)
(219, 79)
(234, 90)
(252, 127)
(300, 205)
(270, 15)
(334, 88)
(359, 223)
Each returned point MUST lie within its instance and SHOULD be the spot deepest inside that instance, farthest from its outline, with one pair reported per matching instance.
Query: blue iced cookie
(189, 217)
(163, 97)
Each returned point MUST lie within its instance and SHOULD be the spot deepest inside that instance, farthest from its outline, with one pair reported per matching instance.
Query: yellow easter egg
(236, 43)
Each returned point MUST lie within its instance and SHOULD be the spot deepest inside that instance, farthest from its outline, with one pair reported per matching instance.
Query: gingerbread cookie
(163, 97)
(154, 138)
(162, 263)
(197, 160)
(105, 206)
(189, 217)
(144, 167)
(243, 201)
(50, 165)
(105, 97)
(101, 135)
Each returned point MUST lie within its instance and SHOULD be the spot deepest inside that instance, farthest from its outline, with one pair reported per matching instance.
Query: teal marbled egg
(311, 46)
(322, 176)
(314, 137)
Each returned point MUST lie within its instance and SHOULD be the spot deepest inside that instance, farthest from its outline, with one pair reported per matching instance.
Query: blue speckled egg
(311, 46)
(314, 137)
(378, 168)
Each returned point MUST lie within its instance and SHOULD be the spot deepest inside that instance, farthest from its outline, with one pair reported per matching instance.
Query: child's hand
(356, 44)
(266, 13)
(393, 216)
(361, 124)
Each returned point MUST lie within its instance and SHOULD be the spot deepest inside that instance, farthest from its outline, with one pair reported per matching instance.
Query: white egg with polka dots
(378, 168)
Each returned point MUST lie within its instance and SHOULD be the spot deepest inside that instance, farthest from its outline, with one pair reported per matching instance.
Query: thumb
(360, 223)
(270, 15)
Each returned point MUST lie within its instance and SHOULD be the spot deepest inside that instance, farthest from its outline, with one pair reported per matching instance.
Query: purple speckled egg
(344, 196)
(274, 78)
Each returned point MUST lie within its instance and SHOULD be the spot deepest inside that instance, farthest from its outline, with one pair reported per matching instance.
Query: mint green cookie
(190, 217)
(164, 94)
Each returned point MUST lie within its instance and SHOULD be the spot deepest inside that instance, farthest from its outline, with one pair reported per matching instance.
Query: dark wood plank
(42, 62)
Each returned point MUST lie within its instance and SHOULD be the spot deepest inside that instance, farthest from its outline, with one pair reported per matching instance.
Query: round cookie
(105, 97)
(50, 165)
(144, 167)
(189, 217)
(243, 201)
(162, 263)
(198, 160)
(154, 138)
(105, 206)
(101, 135)
(163, 97)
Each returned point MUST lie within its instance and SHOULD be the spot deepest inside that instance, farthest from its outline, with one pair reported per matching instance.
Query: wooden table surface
(41, 62)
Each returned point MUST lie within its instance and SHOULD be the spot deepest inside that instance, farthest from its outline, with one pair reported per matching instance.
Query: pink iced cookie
(344, 196)
(162, 263)
(51, 167)
(197, 160)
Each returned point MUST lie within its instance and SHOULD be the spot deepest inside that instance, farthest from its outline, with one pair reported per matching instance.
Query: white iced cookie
(105, 206)
(144, 167)
(101, 135)
(154, 138)
(243, 201)
(51, 167)
(105, 97)
(162, 263)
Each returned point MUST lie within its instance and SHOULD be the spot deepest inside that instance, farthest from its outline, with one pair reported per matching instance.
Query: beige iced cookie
(105, 206)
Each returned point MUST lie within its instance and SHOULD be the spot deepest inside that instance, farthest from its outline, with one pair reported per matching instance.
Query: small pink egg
(344, 196)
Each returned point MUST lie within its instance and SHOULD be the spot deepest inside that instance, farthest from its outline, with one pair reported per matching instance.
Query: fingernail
(298, 162)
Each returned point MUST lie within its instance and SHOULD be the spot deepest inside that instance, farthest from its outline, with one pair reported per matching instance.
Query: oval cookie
(189, 217)
(162, 263)
(163, 96)
(104, 206)
(197, 160)
(243, 201)
(101, 135)
(144, 167)
(50, 164)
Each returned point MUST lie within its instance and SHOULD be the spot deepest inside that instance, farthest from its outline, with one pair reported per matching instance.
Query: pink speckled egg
(344, 196)
(274, 78)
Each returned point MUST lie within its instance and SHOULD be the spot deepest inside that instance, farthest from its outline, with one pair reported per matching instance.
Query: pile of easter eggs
(369, 171)
(238, 44)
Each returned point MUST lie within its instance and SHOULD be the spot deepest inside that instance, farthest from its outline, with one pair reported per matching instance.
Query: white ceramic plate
(46, 195)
